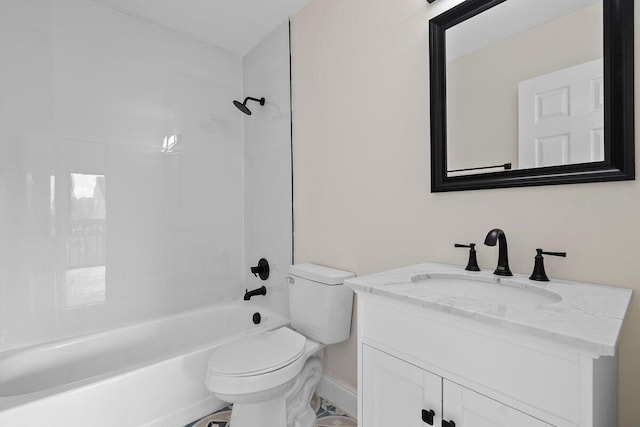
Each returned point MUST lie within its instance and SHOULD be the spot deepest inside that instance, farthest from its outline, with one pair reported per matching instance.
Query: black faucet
(497, 236)
(260, 291)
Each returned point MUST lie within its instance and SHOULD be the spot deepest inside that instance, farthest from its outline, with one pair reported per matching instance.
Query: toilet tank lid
(320, 273)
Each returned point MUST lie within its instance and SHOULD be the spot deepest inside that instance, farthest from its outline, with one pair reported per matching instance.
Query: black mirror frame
(619, 163)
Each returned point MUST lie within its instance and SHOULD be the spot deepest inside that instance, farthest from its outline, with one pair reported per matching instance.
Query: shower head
(242, 106)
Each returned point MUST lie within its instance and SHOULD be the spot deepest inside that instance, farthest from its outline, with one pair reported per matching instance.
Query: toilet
(270, 377)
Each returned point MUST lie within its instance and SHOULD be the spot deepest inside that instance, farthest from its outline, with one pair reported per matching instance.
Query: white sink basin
(499, 290)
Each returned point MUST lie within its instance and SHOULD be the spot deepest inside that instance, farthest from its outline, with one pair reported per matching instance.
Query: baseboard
(344, 398)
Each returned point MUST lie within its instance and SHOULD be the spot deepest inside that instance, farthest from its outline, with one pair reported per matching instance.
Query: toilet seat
(227, 377)
(258, 354)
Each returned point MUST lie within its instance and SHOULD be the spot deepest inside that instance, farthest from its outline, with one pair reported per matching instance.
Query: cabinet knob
(427, 416)
(448, 423)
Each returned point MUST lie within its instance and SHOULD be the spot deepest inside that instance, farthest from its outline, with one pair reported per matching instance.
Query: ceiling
(235, 25)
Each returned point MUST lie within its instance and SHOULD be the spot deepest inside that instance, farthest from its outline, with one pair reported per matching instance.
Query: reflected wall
(483, 123)
(120, 171)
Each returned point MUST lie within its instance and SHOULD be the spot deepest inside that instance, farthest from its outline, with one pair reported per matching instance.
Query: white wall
(267, 167)
(361, 174)
(87, 90)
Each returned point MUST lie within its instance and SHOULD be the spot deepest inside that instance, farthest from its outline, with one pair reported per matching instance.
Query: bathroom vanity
(438, 345)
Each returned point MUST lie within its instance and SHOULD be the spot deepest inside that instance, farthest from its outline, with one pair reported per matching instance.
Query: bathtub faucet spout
(260, 291)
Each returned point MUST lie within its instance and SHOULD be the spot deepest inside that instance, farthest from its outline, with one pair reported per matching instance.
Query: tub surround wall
(361, 175)
(120, 171)
(267, 168)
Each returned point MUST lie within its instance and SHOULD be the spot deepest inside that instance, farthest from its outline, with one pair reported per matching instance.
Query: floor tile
(329, 415)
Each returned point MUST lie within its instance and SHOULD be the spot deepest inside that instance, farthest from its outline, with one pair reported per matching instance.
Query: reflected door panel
(561, 117)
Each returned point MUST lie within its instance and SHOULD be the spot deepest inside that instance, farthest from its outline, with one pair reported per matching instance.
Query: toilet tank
(319, 302)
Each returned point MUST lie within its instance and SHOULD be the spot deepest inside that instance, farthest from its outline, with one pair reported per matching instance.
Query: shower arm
(260, 100)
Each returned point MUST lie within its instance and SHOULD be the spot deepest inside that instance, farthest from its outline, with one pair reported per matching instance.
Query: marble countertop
(589, 316)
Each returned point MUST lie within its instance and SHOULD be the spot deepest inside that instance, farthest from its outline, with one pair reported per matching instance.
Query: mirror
(531, 92)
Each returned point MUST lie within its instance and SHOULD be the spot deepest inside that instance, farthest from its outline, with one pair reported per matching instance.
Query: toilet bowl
(271, 377)
(283, 373)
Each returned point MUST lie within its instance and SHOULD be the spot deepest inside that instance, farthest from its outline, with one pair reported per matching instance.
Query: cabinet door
(394, 392)
(470, 409)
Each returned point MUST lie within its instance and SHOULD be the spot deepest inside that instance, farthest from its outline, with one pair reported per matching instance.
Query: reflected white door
(561, 117)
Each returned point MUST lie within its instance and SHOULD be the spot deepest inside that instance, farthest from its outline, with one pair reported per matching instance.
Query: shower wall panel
(268, 210)
(121, 171)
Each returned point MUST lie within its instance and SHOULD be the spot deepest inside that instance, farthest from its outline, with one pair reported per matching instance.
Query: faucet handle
(543, 252)
(261, 270)
(538, 268)
(472, 264)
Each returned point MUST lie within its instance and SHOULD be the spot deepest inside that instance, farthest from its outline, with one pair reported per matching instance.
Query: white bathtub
(148, 374)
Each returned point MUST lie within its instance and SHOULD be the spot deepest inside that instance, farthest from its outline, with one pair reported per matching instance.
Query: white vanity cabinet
(412, 358)
(480, 350)
(473, 409)
(396, 392)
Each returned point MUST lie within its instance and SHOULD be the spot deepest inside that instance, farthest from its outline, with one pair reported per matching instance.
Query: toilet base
(292, 408)
(299, 410)
(271, 412)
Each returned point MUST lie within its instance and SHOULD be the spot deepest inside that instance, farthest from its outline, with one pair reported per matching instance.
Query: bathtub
(147, 374)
